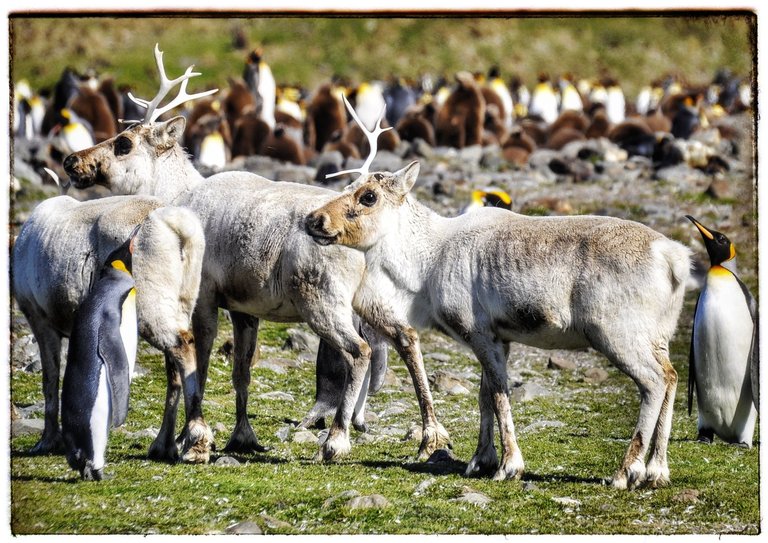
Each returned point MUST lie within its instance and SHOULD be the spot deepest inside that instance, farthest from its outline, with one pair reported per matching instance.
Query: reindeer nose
(315, 224)
(70, 163)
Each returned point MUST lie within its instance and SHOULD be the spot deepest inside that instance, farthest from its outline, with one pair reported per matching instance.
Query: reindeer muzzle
(81, 175)
(315, 227)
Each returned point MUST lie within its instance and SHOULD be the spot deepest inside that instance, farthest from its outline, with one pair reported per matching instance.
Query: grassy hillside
(308, 50)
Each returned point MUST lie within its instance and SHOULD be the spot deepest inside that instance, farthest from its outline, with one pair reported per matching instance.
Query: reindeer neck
(174, 175)
(412, 250)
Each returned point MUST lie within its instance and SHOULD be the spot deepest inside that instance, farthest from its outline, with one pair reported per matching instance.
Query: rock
(283, 433)
(274, 524)
(150, 433)
(457, 390)
(529, 486)
(445, 381)
(391, 379)
(28, 410)
(440, 357)
(219, 427)
(276, 395)
(540, 424)
(719, 189)
(595, 376)
(557, 363)
(396, 408)
(414, 433)
(278, 365)
(688, 495)
(346, 495)
(23, 427)
(304, 436)
(422, 487)
(226, 461)
(245, 527)
(301, 340)
(474, 497)
(527, 392)
(386, 161)
(374, 501)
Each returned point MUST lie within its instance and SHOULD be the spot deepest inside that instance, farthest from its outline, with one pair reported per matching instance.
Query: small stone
(444, 381)
(595, 376)
(245, 527)
(414, 433)
(607, 507)
(528, 392)
(276, 395)
(719, 189)
(304, 436)
(688, 495)
(23, 427)
(440, 357)
(274, 524)
(539, 424)
(278, 365)
(570, 502)
(374, 501)
(283, 433)
(422, 487)
(219, 427)
(457, 390)
(150, 433)
(557, 363)
(391, 379)
(226, 461)
(346, 495)
(530, 486)
(393, 410)
(301, 340)
(473, 497)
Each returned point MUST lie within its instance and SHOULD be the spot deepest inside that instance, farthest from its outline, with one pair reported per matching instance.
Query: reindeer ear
(405, 179)
(166, 135)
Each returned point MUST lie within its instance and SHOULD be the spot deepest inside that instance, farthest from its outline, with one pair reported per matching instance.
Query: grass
(284, 491)
(309, 50)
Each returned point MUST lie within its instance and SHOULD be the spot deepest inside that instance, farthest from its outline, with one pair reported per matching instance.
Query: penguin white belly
(722, 339)
(129, 330)
(213, 152)
(100, 421)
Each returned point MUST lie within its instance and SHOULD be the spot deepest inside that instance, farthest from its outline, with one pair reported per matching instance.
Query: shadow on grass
(31, 478)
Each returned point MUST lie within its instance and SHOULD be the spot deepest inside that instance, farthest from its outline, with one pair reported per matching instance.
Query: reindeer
(258, 263)
(492, 277)
(54, 262)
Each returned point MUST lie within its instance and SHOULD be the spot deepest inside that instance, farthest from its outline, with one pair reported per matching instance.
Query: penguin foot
(705, 436)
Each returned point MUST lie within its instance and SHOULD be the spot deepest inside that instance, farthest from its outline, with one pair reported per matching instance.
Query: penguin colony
(100, 362)
(254, 115)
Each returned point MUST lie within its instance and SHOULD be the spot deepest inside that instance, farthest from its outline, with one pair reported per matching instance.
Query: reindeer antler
(372, 135)
(153, 113)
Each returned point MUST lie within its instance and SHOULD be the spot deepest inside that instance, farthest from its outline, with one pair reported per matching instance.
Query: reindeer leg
(246, 328)
(491, 354)
(164, 446)
(49, 343)
(330, 374)
(486, 459)
(657, 469)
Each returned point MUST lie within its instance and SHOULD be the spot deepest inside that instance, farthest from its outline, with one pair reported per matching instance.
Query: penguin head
(718, 246)
(491, 197)
(122, 258)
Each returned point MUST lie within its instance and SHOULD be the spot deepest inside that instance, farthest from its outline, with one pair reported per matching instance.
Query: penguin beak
(704, 232)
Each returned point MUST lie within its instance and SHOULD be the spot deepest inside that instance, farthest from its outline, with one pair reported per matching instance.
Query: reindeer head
(365, 212)
(123, 162)
(132, 154)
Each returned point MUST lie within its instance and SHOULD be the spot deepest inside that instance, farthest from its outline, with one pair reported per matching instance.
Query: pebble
(276, 395)
(346, 495)
(23, 427)
(274, 524)
(446, 381)
(278, 365)
(595, 376)
(688, 495)
(559, 363)
(226, 461)
(473, 497)
(301, 340)
(304, 436)
(245, 527)
(527, 392)
(570, 502)
(374, 501)
(422, 487)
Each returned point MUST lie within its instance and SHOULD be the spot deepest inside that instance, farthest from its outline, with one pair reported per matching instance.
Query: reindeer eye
(368, 198)
(123, 145)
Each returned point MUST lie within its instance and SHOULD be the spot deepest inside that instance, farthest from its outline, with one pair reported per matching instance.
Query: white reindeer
(258, 263)
(55, 260)
(492, 277)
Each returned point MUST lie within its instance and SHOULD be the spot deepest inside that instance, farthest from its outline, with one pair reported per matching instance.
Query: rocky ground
(594, 177)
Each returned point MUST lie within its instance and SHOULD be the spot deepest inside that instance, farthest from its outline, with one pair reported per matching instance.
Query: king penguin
(100, 363)
(724, 364)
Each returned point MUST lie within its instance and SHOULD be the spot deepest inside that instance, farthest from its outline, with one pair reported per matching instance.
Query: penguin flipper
(754, 350)
(112, 353)
(692, 365)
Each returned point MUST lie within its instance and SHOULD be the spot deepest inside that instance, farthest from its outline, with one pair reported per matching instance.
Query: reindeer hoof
(244, 442)
(163, 452)
(50, 443)
(197, 444)
(335, 447)
(433, 439)
(629, 478)
(511, 470)
(656, 476)
(483, 463)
